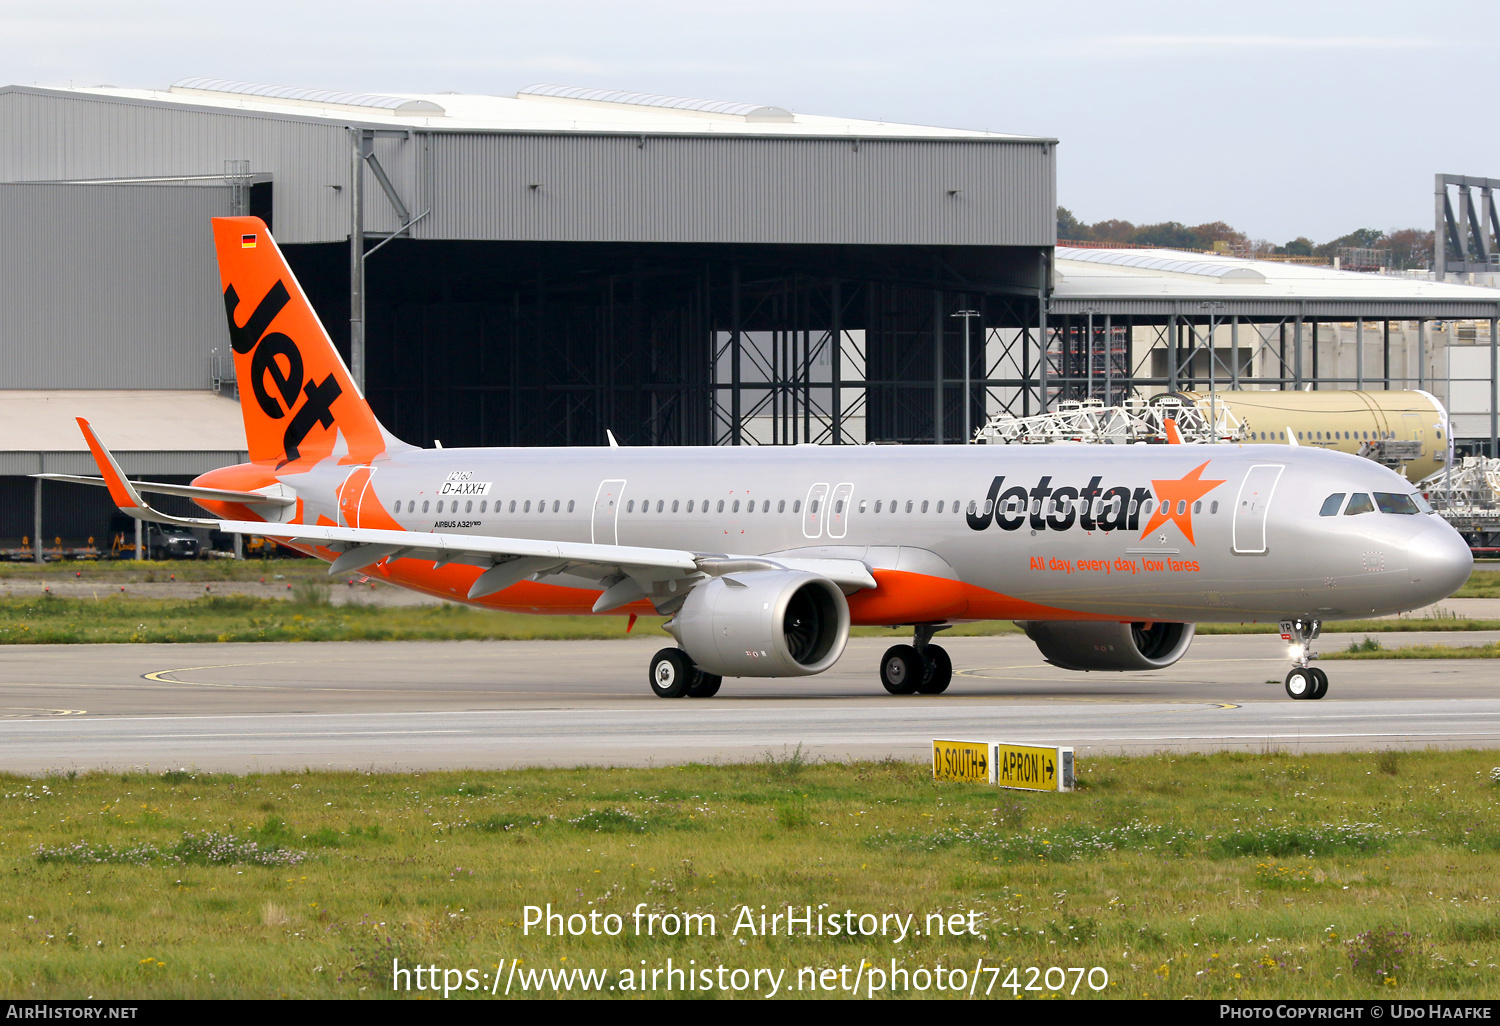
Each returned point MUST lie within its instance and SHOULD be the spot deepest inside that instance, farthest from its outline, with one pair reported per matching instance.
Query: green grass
(306, 615)
(126, 571)
(53, 620)
(1212, 876)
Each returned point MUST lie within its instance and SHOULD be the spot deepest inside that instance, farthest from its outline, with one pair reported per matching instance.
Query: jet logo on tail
(275, 356)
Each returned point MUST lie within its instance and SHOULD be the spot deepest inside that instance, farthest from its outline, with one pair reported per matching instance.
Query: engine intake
(763, 623)
(1086, 645)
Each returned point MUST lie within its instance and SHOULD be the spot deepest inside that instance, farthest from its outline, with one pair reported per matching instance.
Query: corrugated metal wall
(109, 286)
(737, 189)
(51, 136)
(592, 188)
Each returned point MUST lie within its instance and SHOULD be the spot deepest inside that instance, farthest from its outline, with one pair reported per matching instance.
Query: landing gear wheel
(705, 685)
(1320, 683)
(1301, 683)
(939, 672)
(672, 673)
(901, 669)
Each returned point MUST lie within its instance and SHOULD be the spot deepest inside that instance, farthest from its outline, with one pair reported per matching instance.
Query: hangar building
(518, 270)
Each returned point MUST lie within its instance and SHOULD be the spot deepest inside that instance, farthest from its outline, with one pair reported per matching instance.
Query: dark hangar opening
(552, 343)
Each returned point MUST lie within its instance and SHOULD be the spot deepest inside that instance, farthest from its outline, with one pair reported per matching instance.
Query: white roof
(1172, 274)
(126, 421)
(538, 108)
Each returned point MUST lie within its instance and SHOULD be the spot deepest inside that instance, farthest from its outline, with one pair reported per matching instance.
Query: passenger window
(924, 505)
(512, 505)
(973, 507)
(796, 505)
(570, 506)
(908, 505)
(765, 507)
(1331, 505)
(1213, 507)
(424, 505)
(940, 505)
(838, 507)
(661, 505)
(1197, 507)
(893, 505)
(750, 506)
(398, 506)
(690, 505)
(484, 505)
(864, 504)
(1395, 502)
(989, 506)
(814, 507)
(674, 506)
(721, 505)
(1181, 506)
(1359, 502)
(528, 506)
(781, 506)
(878, 504)
(1131, 511)
(469, 506)
(736, 507)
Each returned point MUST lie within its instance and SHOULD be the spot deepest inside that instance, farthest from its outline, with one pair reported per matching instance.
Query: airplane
(763, 557)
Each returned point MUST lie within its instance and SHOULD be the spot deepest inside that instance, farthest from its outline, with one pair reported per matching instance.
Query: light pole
(967, 315)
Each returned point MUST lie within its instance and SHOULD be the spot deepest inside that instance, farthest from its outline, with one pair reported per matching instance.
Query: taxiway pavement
(434, 705)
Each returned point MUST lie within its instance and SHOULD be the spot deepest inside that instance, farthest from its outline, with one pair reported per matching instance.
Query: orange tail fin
(299, 403)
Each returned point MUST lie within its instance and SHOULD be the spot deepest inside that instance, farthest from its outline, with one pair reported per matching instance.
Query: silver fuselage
(1260, 550)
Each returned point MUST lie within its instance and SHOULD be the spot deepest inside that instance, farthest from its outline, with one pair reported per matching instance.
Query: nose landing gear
(1304, 682)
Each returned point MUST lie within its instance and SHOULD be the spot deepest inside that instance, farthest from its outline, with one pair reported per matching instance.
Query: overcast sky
(1282, 118)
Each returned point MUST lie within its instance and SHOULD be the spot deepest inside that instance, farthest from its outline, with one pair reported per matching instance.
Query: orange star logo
(1174, 501)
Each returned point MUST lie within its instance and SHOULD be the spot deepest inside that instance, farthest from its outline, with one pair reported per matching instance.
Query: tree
(1069, 227)
(1411, 248)
(1300, 246)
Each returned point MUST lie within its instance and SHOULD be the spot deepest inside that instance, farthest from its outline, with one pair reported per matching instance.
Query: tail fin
(299, 403)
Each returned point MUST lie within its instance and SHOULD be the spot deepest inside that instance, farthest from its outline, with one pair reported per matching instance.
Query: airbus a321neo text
(764, 557)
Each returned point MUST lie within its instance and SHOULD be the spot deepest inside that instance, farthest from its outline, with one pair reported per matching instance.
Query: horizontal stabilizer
(186, 491)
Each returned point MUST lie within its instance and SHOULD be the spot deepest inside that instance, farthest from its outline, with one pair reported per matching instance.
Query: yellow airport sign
(1032, 768)
(963, 760)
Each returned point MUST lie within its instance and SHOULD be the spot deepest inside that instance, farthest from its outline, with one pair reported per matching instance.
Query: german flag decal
(247, 242)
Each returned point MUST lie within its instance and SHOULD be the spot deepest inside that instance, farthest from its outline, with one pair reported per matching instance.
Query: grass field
(306, 615)
(1231, 875)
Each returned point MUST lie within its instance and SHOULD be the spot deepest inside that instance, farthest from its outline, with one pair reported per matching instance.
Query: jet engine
(763, 623)
(1086, 645)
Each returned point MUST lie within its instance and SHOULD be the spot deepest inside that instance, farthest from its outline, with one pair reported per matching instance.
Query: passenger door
(1249, 530)
(607, 512)
(814, 513)
(838, 510)
(352, 494)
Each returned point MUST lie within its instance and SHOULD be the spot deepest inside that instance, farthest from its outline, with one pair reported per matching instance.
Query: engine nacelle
(1092, 645)
(763, 623)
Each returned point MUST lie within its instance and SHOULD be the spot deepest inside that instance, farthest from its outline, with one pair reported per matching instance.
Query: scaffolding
(1135, 420)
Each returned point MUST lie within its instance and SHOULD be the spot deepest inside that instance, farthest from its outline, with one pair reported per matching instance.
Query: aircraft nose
(1440, 561)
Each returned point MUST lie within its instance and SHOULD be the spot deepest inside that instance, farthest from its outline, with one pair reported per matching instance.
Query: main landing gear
(674, 675)
(920, 668)
(1304, 682)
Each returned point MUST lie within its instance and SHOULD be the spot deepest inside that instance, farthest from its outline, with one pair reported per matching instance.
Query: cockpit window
(1331, 505)
(1359, 502)
(1395, 502)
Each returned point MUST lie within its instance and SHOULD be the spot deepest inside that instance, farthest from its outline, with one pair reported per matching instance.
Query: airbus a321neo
(764, 557)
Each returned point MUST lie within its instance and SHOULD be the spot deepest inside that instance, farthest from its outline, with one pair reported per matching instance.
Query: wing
(625, 572)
